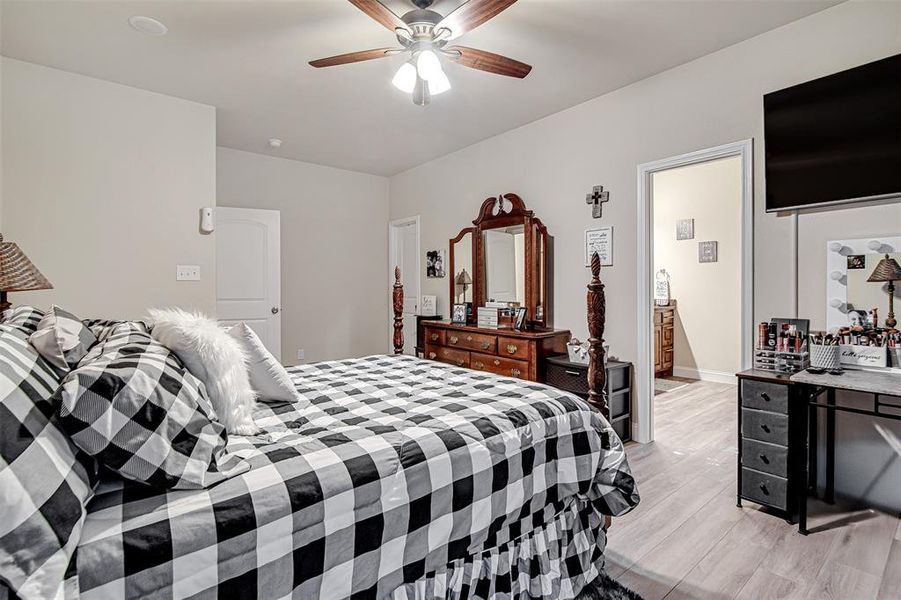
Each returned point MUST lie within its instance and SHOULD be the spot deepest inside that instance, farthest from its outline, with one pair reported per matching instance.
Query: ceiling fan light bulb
(439, 84)
(421, 93)
(428, 65)
(405, 78)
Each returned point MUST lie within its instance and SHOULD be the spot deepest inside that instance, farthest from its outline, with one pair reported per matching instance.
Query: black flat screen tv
(836, 139)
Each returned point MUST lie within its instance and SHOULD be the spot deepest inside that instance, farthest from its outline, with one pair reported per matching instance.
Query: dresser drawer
(568, 379)
(500, 366)
(764, 426)
(452, 356)
(765, 396)
(434, 336)
(764, 489)
(512, 348)
(472, 341)
(765, 457)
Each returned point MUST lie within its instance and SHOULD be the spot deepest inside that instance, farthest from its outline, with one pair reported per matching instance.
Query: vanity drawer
(765, 396)
(500, 366)
(764, 489)
(512, 348)
(472, 341)
(764, 426)
(765, 457)
(434, 336)
(458, 358)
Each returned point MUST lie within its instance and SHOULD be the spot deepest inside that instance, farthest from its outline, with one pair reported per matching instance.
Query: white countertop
(871, 382)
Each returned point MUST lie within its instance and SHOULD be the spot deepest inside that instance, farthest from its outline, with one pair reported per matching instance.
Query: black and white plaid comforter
(388, 470)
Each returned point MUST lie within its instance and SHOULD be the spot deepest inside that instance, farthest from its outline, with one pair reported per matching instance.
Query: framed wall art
(685, 229)
(599, 240)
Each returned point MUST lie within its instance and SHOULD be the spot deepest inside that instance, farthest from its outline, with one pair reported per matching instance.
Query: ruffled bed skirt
(554, 561)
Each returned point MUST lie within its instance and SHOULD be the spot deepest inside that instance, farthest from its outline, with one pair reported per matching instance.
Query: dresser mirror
(506, 256)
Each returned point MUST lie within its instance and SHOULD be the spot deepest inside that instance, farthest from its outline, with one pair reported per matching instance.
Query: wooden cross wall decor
(596, 198)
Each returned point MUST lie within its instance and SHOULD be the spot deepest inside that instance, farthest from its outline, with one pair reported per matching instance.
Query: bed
(390, 477)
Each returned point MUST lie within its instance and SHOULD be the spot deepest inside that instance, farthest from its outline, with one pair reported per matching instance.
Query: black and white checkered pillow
(134, 406)
(25, 318)
(62, 339)
(45, 481)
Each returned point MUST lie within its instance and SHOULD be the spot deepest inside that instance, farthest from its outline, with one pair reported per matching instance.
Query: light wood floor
(687, 539)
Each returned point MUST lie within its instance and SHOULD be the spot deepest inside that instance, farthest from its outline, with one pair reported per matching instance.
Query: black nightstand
(573, 377)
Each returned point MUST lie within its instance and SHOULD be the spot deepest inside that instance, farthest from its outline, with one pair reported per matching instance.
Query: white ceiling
(249, 59)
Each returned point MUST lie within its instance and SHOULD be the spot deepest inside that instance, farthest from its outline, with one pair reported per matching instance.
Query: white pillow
(214, 357)
(267, 376)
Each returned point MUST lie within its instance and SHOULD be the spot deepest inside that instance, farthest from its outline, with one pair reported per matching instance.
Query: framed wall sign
(599, 240)
(707, 252)
(685, 229)
(427, 307)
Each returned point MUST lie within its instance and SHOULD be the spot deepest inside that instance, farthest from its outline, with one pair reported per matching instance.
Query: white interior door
(404, 253)
(248, 272)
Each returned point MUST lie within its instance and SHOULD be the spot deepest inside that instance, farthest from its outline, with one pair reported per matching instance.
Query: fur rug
(605, 588)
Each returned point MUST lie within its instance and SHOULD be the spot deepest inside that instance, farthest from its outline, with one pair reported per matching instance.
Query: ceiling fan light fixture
(405, 78)
(439, 84)
(428, 66)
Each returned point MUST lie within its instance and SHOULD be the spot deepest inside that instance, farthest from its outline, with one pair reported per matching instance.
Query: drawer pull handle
(497, 363)
(764, 458)
(765, 396)
(575, 373)
(432, 355)
(454, 339)
(765, 427)
(763, 489)
(434, 337)
(485, 345)
(479, 364)
(468, 338)
(515, 372)
(460, 362)
(512, 348)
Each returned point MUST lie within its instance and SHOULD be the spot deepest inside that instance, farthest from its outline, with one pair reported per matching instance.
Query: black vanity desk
(885, 388)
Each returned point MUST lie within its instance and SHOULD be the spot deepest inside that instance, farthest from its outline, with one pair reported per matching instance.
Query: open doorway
(695, 273)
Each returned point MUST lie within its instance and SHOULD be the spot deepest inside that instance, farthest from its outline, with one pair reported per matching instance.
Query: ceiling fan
(425, 34)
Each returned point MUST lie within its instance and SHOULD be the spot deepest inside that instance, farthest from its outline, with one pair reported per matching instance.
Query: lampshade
(888, 269)
(17, 273)
(463, 278)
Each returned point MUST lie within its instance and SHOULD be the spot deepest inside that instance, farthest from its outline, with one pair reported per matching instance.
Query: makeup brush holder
(825, 357)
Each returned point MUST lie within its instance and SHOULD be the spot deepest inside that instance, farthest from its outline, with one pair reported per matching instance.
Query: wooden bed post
(597, 314)
(398, 298)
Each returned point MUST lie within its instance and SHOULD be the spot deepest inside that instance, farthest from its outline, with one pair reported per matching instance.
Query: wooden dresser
(664, 337)
(500, 351)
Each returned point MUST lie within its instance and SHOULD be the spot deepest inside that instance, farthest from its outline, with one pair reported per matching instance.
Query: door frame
(644, 429)
(393, 226)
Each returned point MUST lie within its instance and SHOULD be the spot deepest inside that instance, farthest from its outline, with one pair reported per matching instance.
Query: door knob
(275, 310)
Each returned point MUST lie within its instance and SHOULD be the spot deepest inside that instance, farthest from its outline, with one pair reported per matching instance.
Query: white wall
(708, 295)
(554, 162)
(102, 186)
(334, 250)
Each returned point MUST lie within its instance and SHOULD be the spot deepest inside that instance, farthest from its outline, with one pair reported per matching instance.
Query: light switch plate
(187, 273)
(300, 354)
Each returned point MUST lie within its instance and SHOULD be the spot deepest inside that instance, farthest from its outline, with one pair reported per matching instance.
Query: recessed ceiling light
(275, 143)
(147, 25)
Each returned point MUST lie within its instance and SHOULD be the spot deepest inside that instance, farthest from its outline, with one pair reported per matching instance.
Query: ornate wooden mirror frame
(507, 211)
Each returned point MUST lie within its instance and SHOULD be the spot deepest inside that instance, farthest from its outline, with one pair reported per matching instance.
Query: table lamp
(463, 279)
(17, 273)
(888, 270)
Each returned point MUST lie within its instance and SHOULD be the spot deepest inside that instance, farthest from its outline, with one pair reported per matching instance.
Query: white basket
(825, 357)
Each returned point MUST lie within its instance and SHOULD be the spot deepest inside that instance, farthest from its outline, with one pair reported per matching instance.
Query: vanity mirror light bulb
(835, 246)
(836, 303)
(874, 245)
(836, 275)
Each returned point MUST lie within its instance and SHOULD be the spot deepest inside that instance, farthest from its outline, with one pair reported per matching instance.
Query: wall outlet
(187, 272)
(300, 354)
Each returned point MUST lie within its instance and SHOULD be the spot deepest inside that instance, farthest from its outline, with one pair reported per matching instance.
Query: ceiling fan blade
(470, 15)
(352, 57)
(380, 13)
(488, 61)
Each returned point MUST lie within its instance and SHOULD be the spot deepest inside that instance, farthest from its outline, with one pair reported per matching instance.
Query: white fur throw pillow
(214, 357)
(267, 376)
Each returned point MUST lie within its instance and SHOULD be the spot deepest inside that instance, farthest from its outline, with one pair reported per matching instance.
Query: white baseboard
(705, 375)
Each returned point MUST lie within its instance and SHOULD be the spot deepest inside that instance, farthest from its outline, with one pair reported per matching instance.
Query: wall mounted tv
(836, 139)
